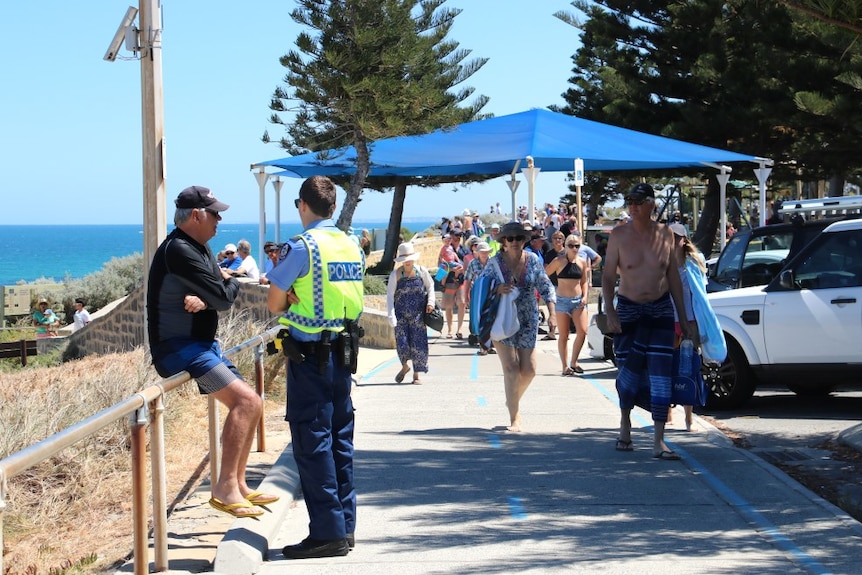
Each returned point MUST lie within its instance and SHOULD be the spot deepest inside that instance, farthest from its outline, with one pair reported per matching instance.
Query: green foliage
(370, 70)
(117, 278)
(374, 284)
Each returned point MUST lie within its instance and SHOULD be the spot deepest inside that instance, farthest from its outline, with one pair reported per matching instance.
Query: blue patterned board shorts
(202, 359)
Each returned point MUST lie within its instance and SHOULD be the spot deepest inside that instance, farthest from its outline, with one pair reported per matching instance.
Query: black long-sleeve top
(182, 266)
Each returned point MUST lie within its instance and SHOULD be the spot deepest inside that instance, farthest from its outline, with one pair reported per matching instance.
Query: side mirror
(786, 280)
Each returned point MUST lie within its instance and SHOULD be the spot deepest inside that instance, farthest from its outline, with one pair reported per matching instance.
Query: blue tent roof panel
(494, 146)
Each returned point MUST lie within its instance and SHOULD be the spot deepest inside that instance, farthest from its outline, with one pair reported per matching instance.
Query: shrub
(373, 284)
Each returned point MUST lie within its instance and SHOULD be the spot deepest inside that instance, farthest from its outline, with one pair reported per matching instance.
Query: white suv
(802, 330)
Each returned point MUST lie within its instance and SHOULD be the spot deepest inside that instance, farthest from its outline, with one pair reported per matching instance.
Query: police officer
(317, 286)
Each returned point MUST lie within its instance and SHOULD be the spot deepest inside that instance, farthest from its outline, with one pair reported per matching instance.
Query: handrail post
(157, 464)
(139, 496)
(259, 386)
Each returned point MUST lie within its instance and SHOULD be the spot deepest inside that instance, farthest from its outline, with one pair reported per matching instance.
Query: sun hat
(641, 192)
(42, 300)
(467, 212)
(230, 248)
(406, 252)
(483, 247)
(511, 229)
(199, 197)
(679, 229)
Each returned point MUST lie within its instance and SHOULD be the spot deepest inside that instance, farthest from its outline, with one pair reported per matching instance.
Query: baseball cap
(199, 197)
(679, 229)
(230, 248)
(641, 192)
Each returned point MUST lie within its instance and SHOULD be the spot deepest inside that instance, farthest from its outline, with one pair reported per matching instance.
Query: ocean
(56, 252)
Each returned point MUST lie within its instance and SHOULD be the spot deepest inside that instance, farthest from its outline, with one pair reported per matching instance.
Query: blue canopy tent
(499, 146)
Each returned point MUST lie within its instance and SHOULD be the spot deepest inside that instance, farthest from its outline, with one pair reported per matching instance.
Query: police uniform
(324, 267)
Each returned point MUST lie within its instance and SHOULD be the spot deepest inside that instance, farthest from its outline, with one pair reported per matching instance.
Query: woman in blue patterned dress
(519, 268)
(409, 294)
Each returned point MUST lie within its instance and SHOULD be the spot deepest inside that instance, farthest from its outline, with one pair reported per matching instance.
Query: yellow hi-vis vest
(332, 290)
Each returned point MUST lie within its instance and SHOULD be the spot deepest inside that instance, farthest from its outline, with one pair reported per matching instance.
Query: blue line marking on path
(516, 509)
(474, 368)
(382, 366)
(735, 500)
(494, 440)
(481, 401)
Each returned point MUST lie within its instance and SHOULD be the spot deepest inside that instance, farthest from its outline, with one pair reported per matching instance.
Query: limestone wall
(120, 326)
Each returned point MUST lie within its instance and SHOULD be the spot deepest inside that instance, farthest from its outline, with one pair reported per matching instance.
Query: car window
(728, 265)
(836, 262)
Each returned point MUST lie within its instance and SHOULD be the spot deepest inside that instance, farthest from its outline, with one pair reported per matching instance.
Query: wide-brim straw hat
(406, 252)
(512, 229)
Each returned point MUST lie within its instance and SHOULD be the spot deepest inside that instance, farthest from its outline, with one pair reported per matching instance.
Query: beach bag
(712, 343)
(687, 388)
(506, 323)
(434, 318)
(442, 272)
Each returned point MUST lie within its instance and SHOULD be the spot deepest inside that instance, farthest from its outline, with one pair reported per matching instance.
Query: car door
(821, 320)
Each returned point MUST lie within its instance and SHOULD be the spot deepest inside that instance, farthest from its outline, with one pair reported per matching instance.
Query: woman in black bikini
(572, 277)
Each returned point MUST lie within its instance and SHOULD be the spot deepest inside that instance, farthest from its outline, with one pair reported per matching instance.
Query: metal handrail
(146, 406)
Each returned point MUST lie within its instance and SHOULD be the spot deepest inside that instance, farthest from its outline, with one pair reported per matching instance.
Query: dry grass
(78, 503)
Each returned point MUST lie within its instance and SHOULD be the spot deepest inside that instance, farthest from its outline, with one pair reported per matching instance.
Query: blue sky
(71, 145)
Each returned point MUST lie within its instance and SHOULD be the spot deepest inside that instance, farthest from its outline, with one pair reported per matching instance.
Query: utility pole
(153, 129)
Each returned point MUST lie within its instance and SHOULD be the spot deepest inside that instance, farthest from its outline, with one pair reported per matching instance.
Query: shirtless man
(642, 319)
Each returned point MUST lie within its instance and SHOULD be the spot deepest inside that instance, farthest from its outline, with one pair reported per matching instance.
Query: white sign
(579, 172)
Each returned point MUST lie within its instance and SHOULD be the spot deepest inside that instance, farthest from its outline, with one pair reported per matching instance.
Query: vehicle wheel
(732, 383)
(812, 389)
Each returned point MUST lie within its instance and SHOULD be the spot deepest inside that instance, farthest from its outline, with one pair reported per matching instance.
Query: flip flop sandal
(569, 372)
(399, 377)
(231, 508)
(577, 369)
(459, 336)
(624, 445)
(261, 498)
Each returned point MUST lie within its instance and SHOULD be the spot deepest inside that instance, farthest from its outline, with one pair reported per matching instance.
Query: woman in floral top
(519, 268)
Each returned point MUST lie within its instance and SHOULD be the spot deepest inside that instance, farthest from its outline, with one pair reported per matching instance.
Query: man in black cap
(186, 290)
(642, 317)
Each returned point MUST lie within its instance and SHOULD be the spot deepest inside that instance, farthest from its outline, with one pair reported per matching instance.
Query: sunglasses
(515, 238)
(296, 202)
(229, 253)
(634, 202)
(573, 245)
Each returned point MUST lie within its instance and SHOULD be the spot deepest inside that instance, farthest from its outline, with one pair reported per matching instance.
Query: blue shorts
(567, 305)
(202, 359)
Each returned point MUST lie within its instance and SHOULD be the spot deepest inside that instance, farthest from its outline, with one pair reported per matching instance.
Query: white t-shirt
(250, 267)
(82, 318)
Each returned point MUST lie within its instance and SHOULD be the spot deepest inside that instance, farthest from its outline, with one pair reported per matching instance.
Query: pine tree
(371, 70)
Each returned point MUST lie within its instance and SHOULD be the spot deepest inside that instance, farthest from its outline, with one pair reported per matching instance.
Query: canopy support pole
(276, 185)
(531, 173)
(723, 178)
(762, 174)
(513, 187)
(261, 176)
